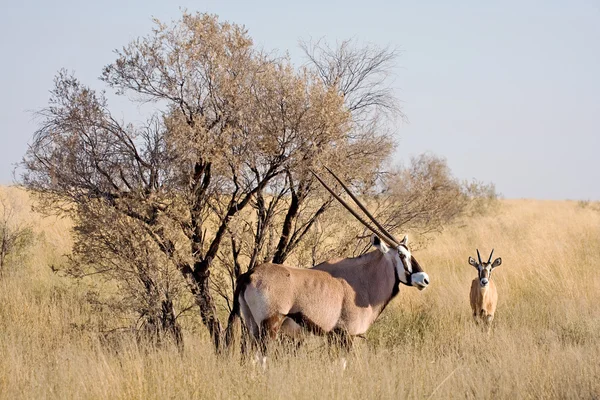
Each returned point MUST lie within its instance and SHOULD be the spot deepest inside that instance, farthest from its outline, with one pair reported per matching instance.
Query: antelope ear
(497, 262)
(404, 240)
(472, 262)
(378, 243)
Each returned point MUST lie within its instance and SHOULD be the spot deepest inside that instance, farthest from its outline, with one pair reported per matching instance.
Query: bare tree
(237, 125)
(362, 75)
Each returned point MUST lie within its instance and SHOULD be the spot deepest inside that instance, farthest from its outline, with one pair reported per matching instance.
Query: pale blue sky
(507, 91)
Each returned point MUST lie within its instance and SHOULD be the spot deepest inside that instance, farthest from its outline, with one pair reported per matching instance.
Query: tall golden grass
(545, 342)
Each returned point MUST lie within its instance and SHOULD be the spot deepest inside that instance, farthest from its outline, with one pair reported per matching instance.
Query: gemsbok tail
(234, 316)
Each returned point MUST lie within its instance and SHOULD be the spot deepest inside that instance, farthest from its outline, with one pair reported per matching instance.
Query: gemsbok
(339, 298)
(484, 295)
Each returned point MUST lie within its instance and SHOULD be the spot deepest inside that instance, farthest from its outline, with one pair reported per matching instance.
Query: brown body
(483, 301)
(346, 295)
(342, 297)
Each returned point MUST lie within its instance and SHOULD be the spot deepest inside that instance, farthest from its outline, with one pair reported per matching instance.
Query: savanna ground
(545, 342)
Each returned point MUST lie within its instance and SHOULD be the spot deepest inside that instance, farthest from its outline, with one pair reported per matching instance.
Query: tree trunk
(198, 281)
(160, 320)
(169, 324)
(282, 247)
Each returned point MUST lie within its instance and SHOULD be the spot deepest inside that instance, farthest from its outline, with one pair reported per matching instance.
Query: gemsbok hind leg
(268, 331)
(291, 335)
(251, 325)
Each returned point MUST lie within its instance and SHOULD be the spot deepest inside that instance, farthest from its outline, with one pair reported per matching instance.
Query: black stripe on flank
(395, 289)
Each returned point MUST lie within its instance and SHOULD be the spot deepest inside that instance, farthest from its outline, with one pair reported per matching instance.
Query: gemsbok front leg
(484, 296)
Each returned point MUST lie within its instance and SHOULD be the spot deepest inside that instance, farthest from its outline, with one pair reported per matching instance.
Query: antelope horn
(479, 256)
(362, 207)
(490, 259)
(385, 238)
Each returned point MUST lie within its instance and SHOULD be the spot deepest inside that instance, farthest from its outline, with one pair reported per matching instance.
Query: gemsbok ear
(472, 262)
(497, 262)
(404, 240)
(376, 241)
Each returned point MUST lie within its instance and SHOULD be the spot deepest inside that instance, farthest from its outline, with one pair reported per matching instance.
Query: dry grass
(545, 342)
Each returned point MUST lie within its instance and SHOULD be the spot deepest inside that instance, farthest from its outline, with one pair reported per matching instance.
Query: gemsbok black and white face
(408, 268)
(484, 269)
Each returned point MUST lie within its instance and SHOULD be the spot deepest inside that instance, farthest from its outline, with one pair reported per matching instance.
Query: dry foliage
(423, 197)
(238, 130)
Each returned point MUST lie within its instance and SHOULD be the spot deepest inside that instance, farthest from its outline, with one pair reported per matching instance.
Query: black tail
(234, 316)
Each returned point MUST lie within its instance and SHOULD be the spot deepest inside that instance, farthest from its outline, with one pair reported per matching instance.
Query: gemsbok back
(484, 295)
(341, 297)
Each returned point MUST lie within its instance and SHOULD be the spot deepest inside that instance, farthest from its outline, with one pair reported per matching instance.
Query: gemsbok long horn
(479, 256)
(491, 254)
(362, 207)
(384, 237)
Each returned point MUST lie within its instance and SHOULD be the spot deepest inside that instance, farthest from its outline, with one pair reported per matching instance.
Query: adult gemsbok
(342, 297)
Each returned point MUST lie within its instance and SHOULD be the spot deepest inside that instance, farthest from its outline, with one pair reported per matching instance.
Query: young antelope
(484, 296)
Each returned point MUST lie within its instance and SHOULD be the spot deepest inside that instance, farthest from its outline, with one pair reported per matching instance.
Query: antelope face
(484, 269)
(409, 270)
